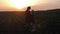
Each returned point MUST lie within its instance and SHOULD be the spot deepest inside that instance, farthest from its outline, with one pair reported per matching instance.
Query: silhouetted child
(33, 21)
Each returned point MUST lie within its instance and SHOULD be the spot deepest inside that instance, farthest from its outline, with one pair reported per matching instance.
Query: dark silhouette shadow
(28, 19)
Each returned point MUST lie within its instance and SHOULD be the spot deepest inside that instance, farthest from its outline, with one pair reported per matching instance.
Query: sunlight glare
(19, 4)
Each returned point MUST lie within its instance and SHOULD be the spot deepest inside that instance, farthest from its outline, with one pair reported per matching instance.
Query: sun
(19, 4)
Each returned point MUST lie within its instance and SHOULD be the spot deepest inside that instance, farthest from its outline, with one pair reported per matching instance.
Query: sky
(17, 5)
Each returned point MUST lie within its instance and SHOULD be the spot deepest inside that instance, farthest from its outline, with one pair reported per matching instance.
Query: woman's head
(28, 8)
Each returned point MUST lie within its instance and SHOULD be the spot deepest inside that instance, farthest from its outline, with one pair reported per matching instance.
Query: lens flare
(19, 4)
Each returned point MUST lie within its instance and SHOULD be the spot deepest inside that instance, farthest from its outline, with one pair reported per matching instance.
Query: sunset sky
(16, 5)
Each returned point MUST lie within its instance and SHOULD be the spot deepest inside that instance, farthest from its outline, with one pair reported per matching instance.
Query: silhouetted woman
(28, 19)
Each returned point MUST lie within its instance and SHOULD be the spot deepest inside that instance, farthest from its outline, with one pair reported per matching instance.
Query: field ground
(45, 21)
